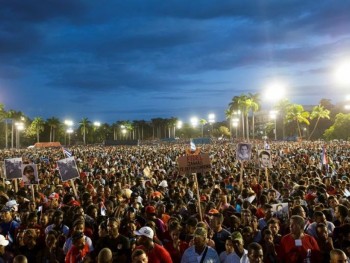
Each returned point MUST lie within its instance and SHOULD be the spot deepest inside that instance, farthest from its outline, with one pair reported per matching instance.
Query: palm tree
(244, 105)
(228, 115)
(282, 107)
(13, 116)
(84, 125)
(203, 122)
(37, 126)
(255, 105)
(295, 112)
(53, 123)
(318, 112)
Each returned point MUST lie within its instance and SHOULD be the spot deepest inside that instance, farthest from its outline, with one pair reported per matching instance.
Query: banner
(194, 163)
(13, 168)
(30, 174)
(68, 169)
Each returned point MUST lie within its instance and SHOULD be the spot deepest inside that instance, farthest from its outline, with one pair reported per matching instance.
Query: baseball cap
(145, 231)
(201, 231)
(3, 241)
(54, 196)
(213, 212)
(237, 236)
(163, 183)
(150, 209)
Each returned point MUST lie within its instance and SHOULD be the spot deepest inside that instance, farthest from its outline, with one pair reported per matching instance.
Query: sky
(143, 59)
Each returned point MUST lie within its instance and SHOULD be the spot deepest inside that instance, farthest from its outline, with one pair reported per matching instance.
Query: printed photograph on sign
(13, 168)
(243, 151)
(68, 169)
(264, 159)
(280, 210)
(30, 174)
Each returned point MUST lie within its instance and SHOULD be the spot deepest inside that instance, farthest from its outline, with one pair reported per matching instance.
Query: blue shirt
(190, 256)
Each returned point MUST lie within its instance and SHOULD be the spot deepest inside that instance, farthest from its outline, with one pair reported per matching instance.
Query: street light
(69, 124)
(273, 115)
(275, 92)
(235, 122)
(194, 122)
(69, 131)
(178, 126)
(19, 127)
(342, 73)
(211, 120)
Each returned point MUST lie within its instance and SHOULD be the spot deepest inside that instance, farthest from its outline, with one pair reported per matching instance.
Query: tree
(318, 112)
(281, 108)
(203, 122)
(53, 123)
(340, 129)
(244, 105)
(295, 112)
(235, 108)
(13, 116)
(254, 106)
(84, 125)
(36, 127)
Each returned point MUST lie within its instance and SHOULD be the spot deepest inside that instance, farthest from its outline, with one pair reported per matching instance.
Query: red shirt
(75, 255)
(290, 253)
(157, 254)
(175, 254)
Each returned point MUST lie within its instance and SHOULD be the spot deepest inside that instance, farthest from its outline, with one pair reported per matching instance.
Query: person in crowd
(155, 253)
(105, 256)
(338, 256)
(255, 254)
(220, 234)
(297, 245)
(200, 249)
(139, 256)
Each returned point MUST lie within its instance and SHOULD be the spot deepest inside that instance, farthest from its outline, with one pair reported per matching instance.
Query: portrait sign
(13, 168)
(68, 169)
(264, 159)
(30, 174)
(243, 151)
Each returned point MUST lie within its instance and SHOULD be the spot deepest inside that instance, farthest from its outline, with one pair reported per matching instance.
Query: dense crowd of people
(131, 204)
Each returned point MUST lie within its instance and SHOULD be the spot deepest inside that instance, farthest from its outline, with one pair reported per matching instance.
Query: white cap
(3, 241)
(145, 231)
(11, 203)
(163, 183)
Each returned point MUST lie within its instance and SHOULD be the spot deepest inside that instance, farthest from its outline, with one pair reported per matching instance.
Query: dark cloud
(172, 51)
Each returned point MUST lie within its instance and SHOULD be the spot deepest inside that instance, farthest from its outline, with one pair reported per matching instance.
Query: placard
(13, 168)
(194, 163)
(68, 169)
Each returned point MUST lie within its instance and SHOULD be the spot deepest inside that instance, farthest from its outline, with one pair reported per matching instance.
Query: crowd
(130, 204)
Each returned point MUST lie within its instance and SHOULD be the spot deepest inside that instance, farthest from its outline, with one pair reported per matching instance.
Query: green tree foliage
(36, 127)
(296, 113)
(340, 129)
(318, 112)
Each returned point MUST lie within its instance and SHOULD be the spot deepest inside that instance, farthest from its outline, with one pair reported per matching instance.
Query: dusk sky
(132, 60)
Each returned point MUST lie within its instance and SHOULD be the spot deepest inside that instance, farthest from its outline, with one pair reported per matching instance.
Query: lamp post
(97, 124)
(235, 122)
(69, 131)
(19, 127)
(123, 130)
(273, 115)
(194, 122)
(69, 124)
(178, 126)
(211, 120)
(274, 93)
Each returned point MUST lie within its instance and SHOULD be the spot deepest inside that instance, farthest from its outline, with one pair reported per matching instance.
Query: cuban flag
(193, 146)
(66, 152)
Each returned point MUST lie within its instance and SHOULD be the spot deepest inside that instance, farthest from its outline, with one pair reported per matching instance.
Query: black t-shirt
(119, 246)
(220, 239)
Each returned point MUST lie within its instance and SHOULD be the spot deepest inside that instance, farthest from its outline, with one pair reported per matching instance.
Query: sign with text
(194, 163)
